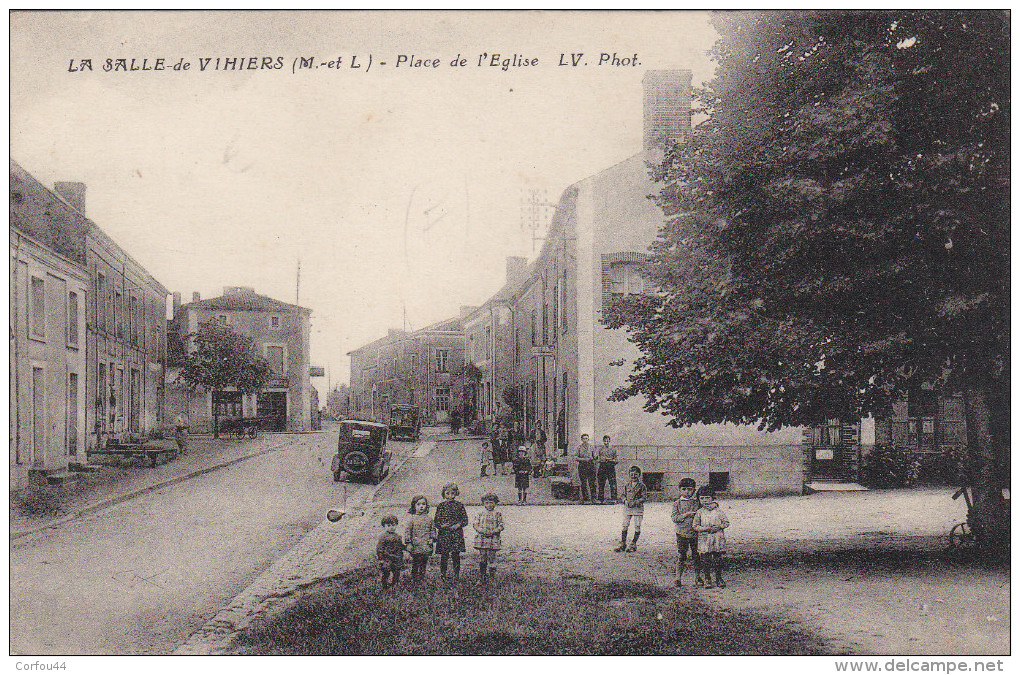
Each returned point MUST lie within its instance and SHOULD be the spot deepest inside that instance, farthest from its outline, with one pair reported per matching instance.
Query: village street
(141, 576)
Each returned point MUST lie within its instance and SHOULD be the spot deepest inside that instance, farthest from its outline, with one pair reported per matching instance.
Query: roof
(364, 423)
(245, 301)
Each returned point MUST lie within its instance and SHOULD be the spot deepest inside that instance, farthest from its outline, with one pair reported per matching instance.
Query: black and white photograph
(421, 333)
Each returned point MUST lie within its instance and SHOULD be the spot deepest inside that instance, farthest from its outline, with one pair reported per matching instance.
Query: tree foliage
(837, 231)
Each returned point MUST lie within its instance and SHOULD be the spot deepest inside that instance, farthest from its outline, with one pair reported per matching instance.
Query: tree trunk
(215, 418)
(987, 413)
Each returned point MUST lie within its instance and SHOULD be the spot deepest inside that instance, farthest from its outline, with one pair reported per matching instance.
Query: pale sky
(227, 178)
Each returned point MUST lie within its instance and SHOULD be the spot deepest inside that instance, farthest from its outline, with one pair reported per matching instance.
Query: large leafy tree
(837, 231)
(222, 358)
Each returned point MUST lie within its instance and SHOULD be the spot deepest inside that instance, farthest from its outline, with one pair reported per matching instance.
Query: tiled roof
(247, 302)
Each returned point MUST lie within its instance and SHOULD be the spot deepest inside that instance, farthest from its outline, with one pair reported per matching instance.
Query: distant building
(338, 402)
(423, 368)
(122, 311)
(281, 333)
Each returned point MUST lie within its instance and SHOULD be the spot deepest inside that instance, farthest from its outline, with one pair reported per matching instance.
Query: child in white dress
(710, 522)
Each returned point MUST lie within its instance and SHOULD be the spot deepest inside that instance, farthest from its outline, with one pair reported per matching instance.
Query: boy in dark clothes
(686, 538)
(390, 552)
(522, 474)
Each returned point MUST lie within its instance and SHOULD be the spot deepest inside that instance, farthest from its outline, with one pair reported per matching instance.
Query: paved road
(140, 577)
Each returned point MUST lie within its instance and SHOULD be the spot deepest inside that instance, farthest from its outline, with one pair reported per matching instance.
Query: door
(38, 417)
(826, 450)
(135, 403)
(72, 414)
(272, 408)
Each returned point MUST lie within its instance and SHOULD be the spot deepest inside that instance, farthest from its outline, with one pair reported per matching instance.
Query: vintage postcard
(510, 333)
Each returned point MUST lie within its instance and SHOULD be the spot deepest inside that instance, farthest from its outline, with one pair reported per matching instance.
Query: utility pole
(297, 290)
(536, 213)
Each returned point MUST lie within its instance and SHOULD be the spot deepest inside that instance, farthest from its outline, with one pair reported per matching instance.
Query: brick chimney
(177, 304)
(73, 193)
(667, 107)
(195, 297)
(516, 266)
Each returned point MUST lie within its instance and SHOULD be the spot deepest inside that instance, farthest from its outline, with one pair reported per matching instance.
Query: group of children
(523, 468)
(700, 530)
(442, 533)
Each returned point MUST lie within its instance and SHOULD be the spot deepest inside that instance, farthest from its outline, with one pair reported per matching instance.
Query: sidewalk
(39, 507)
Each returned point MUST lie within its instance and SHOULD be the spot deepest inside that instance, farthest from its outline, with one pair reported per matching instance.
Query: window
(120, 392)
(719, 481)
(441, 357)
(101, 302)
(471, 347)
(443, 399)
(277, 360)
(563, 301)
(517, 346)
(72, 318)
(414, 363)
(38, 300)
(652, 481)
(222, 318)
(626, 279)
(555, 310)
(118, 311)
(488, 341)
(534, 327)
(227, 403)
(100, 397)
(274, 322)
(545, 324)
(133, 320)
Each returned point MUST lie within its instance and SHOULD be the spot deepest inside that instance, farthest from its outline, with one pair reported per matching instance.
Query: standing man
(539, 438)
(181, 434)
(585, 457)
(607, 470)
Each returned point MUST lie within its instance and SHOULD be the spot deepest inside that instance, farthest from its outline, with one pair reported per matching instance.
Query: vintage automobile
(405, 422)
(361, 452)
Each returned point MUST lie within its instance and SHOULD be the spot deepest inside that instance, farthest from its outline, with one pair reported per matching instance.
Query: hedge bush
(888, 467)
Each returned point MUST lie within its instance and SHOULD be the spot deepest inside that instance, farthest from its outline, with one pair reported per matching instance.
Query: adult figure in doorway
(606, 456)
(585, 457)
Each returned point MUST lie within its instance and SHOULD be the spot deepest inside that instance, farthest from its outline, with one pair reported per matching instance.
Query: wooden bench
(134, 450)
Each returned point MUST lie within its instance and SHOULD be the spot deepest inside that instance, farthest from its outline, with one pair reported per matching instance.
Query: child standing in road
(390, 552)
(633, 509)
(418, 536)
(522, 474)
(451, 519)
(488, 526)
(709, 522)
(485, 457)
(686, 538)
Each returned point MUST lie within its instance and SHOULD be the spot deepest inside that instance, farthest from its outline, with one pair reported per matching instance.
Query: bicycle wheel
(961, 538)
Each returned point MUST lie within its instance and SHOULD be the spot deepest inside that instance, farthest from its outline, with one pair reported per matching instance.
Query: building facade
(47, 359)
(122, 311)
(281, 334)
(550, 347)
(423, 368)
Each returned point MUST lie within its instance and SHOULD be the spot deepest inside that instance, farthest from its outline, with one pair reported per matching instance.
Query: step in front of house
(84, 468)
(57, 477)
(834, 486)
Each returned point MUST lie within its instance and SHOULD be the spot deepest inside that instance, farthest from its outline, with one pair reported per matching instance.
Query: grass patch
(350, 614)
